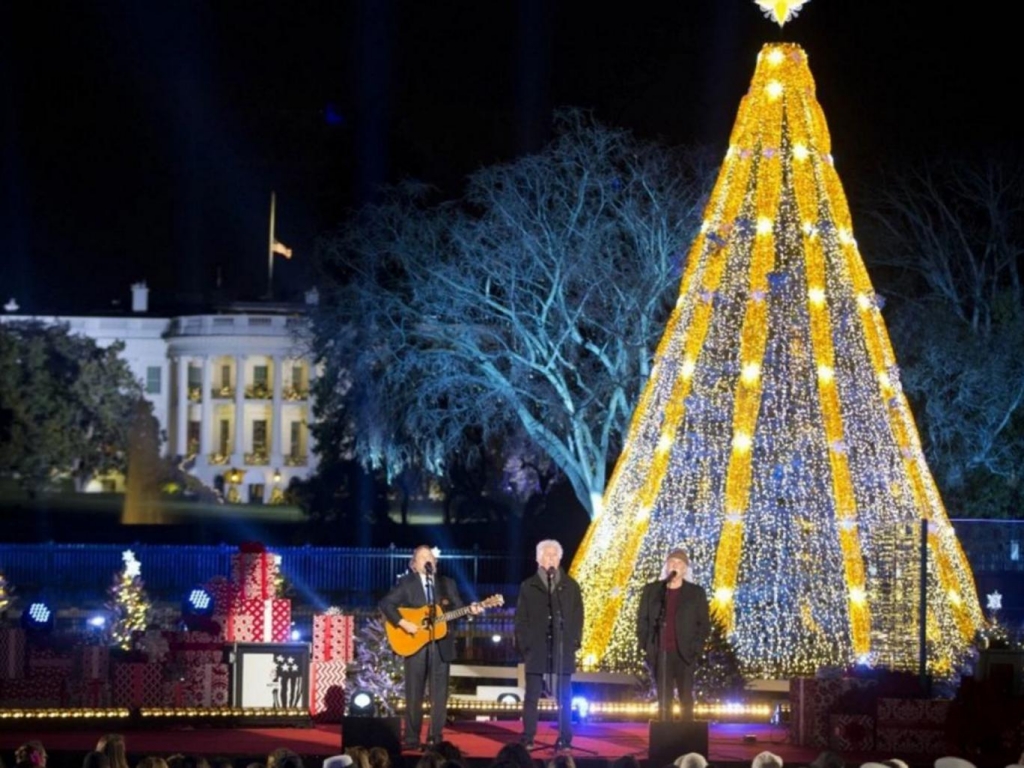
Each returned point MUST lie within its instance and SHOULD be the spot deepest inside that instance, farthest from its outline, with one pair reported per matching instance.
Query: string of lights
(773, 440)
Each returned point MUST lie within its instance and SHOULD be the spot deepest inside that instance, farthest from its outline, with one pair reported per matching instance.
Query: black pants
(534, 685)
(678, 674)
(425, 661)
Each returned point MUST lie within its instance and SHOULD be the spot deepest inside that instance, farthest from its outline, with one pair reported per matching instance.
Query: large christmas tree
(773, 440)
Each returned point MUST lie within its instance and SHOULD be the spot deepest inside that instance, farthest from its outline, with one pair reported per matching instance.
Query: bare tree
(530, 309)
(956, 229)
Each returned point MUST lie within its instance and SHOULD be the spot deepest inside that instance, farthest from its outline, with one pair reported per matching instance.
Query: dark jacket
(532, 622)
(693, 624)
(409, 593)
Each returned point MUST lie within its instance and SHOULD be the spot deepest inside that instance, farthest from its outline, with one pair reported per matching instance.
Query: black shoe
(527, 742)
(562, 745)
(411, 746)
(433, 741)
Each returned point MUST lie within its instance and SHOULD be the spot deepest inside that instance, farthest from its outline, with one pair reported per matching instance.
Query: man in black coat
(549, 617)
(673, 623)
(416, 589)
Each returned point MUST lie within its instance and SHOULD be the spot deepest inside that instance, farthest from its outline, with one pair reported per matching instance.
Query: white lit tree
(127, 602)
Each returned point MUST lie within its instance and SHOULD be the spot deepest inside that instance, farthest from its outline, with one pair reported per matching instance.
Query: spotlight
(508, 698)
(99, 621)
(196, 609)
(361, 704)
(495, 639)
(296, 635)
(580, 707)
(37, 618)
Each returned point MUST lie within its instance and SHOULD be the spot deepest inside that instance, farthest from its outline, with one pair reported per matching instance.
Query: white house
(231, 390)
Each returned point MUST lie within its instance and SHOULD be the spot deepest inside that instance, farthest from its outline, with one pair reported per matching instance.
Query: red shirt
(668, 632)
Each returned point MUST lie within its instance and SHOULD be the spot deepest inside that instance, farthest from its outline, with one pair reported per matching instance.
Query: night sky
(141, 140)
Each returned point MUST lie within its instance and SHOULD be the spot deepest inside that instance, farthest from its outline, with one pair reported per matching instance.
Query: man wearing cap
(672, 625)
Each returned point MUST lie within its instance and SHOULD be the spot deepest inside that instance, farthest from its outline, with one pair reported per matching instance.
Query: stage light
(508, 698)
(196, 609)
(199, 602)
(296, 635)
(495, 638)
(98, 621)
(580, 707)
(361, 704)
(37, 618)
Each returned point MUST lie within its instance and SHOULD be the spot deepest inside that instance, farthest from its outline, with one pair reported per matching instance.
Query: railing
(76, 574)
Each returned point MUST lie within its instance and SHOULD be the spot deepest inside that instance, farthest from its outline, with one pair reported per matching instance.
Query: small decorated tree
(718, 671)
(127, 602)
(376, 668)
(5, 593)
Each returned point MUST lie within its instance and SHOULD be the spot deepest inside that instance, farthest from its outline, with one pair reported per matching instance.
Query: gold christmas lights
(772, 439)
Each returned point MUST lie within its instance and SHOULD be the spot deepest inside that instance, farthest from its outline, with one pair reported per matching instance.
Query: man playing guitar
(419, 588)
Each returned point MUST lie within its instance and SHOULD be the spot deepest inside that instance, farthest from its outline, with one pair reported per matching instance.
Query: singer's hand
(475, 608)
(409, 627)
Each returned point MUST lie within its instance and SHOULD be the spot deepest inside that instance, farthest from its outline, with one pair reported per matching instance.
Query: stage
(595, 744)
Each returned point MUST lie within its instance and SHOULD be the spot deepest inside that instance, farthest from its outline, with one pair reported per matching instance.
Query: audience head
(894, 762)
(451, 753)
(379, 758)
(282, 757)
(360, 757)
(691, 760)
(953, 762)
(562, 761)
(255, 765)
(430, 759)
(515, 752)
(828, 760)
(338, 761)
(766, 759)
(186, 761)
(151, 762)
(30, 754)
(112, 745)
(96, 760)
(626, 761)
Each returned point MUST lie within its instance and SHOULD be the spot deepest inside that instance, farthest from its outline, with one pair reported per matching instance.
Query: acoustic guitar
(405, 644)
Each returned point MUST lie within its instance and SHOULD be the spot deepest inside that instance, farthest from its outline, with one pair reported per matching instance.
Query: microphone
(550, 572)
(429, 568)
(671, 575)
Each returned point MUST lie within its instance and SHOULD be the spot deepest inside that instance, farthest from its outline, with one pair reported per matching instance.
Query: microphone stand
(431, 647)
(664, 699)
(557, 632)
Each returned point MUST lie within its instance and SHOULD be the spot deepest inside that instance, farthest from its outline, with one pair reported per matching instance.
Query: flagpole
(270, 249)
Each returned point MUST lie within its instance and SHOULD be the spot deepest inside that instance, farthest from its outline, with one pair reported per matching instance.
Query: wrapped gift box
(50, 662)
(208, 685)
(332, 637)
(138, 685)
(911, 741)
(327, 690)
(196, 648)
(92, 662)
(851, 733)
(254, 574)
(917, 726)
(12, 654)
(89, 693)
(271, 621)
(223, 593)
(812, 701)
(913, 711)
(46, 691)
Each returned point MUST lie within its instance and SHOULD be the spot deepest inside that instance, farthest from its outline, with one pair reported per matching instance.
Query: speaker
(373, 732)
(667, 741)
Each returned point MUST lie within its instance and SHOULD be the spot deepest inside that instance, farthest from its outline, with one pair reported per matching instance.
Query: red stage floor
(479, 741)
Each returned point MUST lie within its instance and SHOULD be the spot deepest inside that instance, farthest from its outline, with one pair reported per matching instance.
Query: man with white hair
(673, 623)
(766, 759)
(549, 631)
(691, 760)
